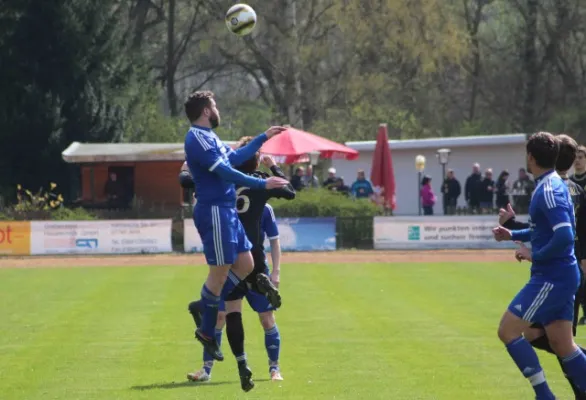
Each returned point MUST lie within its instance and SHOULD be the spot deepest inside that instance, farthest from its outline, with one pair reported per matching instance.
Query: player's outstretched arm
(239, 156)
(286, 192)
(521, 235)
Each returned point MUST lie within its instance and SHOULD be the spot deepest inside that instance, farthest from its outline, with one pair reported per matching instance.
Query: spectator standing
(522, 191)
(310, 180)
(341, 187)
(502, 190)
(472, 189)
(487, 190)
(362, 188)
(451, 190)
(331, 180)
(297, 179)
(427, 196)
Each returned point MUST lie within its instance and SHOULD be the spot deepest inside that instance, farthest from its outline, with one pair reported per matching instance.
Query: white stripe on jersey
(218, 162)
(548, 194)
(271, 212)
(217, 229)
(561, 225)
(199, 136)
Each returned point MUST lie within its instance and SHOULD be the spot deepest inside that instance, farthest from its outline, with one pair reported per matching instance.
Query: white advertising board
(101, 237)
(438, 232)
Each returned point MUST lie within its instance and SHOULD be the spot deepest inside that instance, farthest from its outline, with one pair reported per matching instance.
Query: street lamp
(313, 160)
(443, 155)
(419, 166)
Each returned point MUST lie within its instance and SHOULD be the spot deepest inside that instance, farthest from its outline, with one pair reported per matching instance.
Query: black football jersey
(579, 179)
(250, 204)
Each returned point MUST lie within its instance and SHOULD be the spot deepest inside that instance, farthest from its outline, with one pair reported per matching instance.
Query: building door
(125, 178)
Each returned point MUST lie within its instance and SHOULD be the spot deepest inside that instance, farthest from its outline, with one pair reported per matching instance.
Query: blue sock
(231, 282)
(526, 359)
(210, 304)
(273, 345)
(575, 365)
(208, 361)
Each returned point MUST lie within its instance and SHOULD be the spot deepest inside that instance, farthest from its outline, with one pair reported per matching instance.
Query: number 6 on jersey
(242, 200)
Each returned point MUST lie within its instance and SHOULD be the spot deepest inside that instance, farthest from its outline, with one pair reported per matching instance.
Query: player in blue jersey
(548, 297)
(226, 247)
(536, 334)
(258, 303)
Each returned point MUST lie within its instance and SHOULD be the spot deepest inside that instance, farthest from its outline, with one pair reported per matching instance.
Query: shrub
(324, 203)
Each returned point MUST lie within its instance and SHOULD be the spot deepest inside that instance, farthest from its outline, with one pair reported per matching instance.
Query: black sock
(542, 343)
(235, 333)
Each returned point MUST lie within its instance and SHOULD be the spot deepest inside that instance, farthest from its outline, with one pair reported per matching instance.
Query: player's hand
(522, 253)
(501, 234)
(275, 278)
(274, 131)
(268, 161)
(506, 214)
(275, 182)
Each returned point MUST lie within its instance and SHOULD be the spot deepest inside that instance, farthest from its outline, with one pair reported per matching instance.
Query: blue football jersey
(551, 209)
(269, 223)
(210, 162)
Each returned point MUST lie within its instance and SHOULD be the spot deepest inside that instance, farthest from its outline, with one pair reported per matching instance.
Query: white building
(498, 152)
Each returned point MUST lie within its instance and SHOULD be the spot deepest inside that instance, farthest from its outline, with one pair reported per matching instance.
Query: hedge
(354, 218)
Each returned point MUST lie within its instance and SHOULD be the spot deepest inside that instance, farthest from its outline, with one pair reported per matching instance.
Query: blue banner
(306, 234)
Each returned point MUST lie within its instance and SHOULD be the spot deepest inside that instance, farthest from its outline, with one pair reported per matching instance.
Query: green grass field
(370, 331)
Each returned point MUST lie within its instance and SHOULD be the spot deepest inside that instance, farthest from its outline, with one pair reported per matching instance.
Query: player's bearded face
(214, 119)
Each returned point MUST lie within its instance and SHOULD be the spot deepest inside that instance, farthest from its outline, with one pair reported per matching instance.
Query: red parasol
(293, 145)
(382, 174)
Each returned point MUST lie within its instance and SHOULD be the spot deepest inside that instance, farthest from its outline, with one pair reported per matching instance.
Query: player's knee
(561, 346)
(216, 278)
(505, 334)
(267, 320)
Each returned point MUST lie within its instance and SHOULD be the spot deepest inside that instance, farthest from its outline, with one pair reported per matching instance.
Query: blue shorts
(258, 302)
(543, 301)
(222, 234)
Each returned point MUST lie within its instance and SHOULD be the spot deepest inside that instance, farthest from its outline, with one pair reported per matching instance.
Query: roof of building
(448, 142)
(133, 152)
(123, 152)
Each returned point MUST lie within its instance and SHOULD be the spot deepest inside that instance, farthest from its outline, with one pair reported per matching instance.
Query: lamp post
(443, 155)
(313, 160)
(419, 166)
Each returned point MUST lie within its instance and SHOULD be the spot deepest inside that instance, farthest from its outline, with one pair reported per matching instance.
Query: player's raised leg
(510, 332)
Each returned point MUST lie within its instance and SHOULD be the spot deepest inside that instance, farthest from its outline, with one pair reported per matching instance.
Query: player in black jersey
(250, 205)
(536, 334)
(579, 177)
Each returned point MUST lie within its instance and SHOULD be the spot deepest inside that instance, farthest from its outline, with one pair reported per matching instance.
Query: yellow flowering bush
(43, 200)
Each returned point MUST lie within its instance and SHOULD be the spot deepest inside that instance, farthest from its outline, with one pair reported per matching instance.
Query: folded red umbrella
(381, 173)
(293, 145)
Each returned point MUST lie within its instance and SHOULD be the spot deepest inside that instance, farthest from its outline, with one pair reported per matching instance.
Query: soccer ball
(241, 19)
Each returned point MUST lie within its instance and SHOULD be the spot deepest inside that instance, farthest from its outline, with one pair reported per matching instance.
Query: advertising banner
(441, 232)
(15, 238)
(101, 237)
(295, 234)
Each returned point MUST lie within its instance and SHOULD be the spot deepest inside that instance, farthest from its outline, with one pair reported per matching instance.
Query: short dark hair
(544, 148)
(250, 165)
(426, 179)
(196, 102)
(568, 151)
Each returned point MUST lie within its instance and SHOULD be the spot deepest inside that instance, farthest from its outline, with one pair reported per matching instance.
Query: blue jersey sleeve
(243, 154)
(269, 223)
(204, 151)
